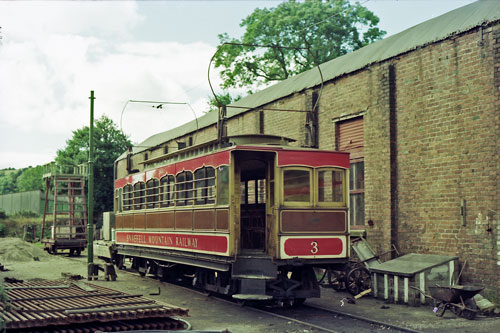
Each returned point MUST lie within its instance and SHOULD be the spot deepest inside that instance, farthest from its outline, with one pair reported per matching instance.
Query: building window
(357, 193)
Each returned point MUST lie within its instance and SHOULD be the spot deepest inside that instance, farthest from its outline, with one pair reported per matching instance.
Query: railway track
(318, 318)
(328, 320)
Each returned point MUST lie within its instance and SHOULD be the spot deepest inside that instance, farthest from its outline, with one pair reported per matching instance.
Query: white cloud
(37, 20)
(54, 53)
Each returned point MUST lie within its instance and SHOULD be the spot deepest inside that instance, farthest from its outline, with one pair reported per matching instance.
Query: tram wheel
(336, 280)
(358, 280)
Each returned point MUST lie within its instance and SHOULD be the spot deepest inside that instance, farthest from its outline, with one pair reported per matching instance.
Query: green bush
(3, 216)
(26, 213)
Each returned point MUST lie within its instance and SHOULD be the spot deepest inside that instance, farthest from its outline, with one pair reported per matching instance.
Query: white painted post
(396, 288)
(422, 286)
(386, 286)
(406, 289)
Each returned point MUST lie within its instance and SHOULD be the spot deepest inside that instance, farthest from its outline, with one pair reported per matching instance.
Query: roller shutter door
(350, 137)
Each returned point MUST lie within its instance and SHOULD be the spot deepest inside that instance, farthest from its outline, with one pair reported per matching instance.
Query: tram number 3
(314, 248)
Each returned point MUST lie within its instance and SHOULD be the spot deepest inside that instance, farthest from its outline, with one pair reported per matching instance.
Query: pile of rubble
(15, 250)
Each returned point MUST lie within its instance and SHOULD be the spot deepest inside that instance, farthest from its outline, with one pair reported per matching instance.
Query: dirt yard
(206, 313)
(29, 262)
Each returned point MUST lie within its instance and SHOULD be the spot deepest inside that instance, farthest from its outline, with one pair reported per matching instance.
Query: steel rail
(341, 313)
(324, 329)
(373, 321)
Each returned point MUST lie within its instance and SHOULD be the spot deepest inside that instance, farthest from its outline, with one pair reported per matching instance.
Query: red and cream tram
(247, 219)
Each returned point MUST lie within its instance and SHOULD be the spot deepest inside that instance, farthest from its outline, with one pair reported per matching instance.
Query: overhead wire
(160, 106)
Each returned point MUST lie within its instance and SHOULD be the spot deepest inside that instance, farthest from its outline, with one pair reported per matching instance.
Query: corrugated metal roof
(457, 21)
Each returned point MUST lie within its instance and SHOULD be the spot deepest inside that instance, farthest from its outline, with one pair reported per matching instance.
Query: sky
(53, 53)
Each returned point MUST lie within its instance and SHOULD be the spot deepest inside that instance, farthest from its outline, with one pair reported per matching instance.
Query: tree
(8, 180)
(31, 179)
(223, 99)
(109, 143)
(313, 32)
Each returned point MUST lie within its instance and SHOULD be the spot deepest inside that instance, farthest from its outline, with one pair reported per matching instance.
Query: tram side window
(297, 185)
(167, 191)
(222, 185)
(120, 204)
(152, 193)
(127, 197)
(331, 186)
(139, 195)
(117, 200)
(184, 188)
(205, 183)
(253, 192)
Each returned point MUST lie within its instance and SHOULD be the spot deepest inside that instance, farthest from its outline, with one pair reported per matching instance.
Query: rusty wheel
(336, 280)
(358, 280)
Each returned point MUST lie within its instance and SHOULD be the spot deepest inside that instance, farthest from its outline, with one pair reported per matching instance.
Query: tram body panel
(245, 220)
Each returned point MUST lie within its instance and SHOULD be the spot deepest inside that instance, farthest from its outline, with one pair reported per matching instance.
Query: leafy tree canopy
(8, 180)
(313, 31)
(223, 99)
(31, 179)
(109, 143)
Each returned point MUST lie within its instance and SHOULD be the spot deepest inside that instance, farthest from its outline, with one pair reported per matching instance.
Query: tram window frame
(184, 189)
(204, 181)
(284, 200)
(118, 200)
(222, 187)
(128, 197)
(139, 195)
(167, 193)
(253, 192)
(341, 203)
(152, 193)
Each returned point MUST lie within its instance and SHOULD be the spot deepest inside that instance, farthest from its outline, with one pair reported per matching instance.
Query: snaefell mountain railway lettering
(164, 240)
(161, 240)
(170, 240)
(136, 238)
(190, 243)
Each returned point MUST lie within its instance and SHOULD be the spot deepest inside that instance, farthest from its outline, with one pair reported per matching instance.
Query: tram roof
(479, 13)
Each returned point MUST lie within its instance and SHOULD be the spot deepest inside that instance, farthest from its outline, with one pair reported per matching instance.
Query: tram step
(252, 287)
(259, 268)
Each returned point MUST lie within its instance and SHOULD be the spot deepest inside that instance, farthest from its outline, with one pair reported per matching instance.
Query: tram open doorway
(256, 178)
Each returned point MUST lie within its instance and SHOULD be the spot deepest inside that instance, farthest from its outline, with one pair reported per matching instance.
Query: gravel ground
(28, 262)
(206, 313)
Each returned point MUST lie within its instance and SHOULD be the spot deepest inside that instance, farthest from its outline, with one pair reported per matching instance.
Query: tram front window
(297, 185)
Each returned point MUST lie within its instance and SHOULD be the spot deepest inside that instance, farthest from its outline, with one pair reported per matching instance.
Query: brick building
(419, 112)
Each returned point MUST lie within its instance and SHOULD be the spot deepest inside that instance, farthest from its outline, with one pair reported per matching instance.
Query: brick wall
(447, 152)
(431, 141)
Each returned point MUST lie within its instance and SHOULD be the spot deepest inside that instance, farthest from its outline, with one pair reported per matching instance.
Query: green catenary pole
(90, 243)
